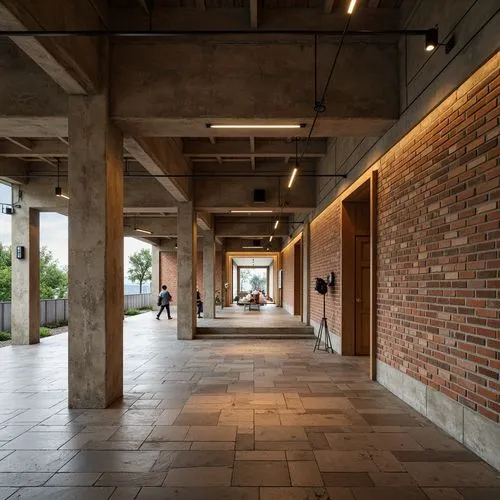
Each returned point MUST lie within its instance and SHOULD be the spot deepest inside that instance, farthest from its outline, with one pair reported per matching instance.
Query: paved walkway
(222, 420)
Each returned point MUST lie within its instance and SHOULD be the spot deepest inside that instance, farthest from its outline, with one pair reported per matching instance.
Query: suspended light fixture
(350, 9)
(58, 191)
(276, 224)
(431, 39)
(251, 211)
(296, 169)
(146, 231)
(257, 126)
(270, 238)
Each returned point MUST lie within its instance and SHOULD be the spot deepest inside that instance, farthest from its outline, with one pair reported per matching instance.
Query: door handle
(358, 300)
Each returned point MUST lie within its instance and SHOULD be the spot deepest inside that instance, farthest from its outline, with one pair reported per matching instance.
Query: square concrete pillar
(186, 271)
(25, 295)
(306, 279)
(95, 254)
(209, 274)
(155, 274)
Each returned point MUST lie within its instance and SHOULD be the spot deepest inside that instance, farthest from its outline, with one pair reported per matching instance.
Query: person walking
(199, 303)
(164, 299)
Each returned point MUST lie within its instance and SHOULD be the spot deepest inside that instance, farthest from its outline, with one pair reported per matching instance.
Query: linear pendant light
(256, 126)
(352, 4)
(145, 231)
(251, 211)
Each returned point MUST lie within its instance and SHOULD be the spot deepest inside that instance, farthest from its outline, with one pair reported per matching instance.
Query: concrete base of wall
(480, 435)
(288, 308)
(336, 340)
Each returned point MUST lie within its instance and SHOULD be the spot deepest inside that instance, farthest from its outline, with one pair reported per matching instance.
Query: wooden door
(362, 296)
(297, 279)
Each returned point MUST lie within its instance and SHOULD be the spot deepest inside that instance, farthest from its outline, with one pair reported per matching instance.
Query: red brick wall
(439, 248)
(168, 272)
(287, 264)
(325, 257)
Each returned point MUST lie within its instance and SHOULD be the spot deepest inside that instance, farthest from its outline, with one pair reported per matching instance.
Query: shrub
(45, 332)
(132, 312)
(57, 325)
(145, 308)
(4, 336)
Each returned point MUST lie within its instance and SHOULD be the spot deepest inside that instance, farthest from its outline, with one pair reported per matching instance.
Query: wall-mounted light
(352, 4)
(431, 39)
(257, 126)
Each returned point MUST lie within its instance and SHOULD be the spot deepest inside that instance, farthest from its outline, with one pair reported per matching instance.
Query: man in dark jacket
(164, 302)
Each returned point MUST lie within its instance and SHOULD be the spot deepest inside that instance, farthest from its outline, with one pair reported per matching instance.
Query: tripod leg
(328, 339)
(318, 339)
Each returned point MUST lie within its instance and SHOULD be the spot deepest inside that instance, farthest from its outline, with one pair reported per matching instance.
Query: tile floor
(223, 420)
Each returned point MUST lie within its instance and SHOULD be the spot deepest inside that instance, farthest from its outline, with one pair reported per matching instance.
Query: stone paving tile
(211, 433)
(209, 493)
(73, 479)
(480, 493)
(389, 493)
(199, 418)
(452, 474)
(35, 461)
(390, 442)
(24, 478)
(199, 476)
(125, 493)
(346, 479)
(305, 473)
(277, 433)
(63, 493)
(6, 493)
(203, 459)
(443, 494)
(260, 455)
(345, 461)
(111, 461)
(260, 473)
(295, 493)
(131, 479)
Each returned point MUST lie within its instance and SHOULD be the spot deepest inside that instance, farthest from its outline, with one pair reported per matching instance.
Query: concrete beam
(31, 104)
(51, 148)
(161, 156)
(160, 227)
(249, 227)
(73, 63)
(267, 80)
(182, 19)
(13, 171)
(220, 195)
(255, 148)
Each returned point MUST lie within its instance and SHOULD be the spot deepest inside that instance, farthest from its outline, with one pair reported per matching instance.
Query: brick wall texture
(438, 255)
(168, 272)
(326, 257)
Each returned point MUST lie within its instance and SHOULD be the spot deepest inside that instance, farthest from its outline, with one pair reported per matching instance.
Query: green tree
(5, 273)
(53, 279)
(140, 267)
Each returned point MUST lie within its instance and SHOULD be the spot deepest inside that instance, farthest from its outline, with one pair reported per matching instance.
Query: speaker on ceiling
(259, 195)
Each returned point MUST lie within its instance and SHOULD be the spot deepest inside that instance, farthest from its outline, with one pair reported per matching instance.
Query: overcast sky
(54, 232)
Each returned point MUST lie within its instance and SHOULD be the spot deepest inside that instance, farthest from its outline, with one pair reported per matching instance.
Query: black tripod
(323, 329)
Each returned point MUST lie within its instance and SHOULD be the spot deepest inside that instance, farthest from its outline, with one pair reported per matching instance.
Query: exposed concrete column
(186, 271)
(25, 302)
(306, 266)
(95, 254)
(155, 274)
(209, 274)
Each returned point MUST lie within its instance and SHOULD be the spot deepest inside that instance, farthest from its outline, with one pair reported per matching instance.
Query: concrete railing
(56, 311)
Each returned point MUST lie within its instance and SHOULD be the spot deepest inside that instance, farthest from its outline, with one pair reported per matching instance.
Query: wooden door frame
(371, 176)
(297, 278)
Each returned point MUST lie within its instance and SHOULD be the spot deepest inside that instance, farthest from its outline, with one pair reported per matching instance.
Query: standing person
(164, 302)
(199, 303)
